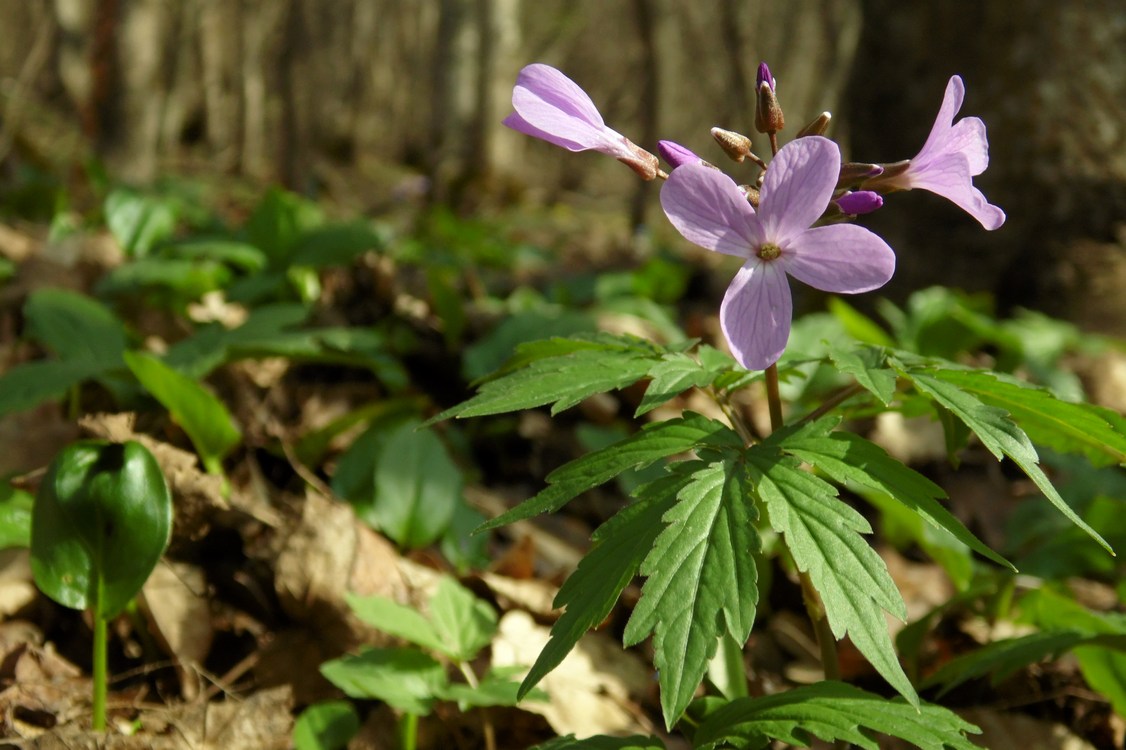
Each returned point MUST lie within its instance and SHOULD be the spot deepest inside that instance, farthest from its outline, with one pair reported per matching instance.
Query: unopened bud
(886, 180)
(817, 127)
(751, 193)
(735, 145)
(676, 155)
(859, 202)
(646, 165)
(768, 112)
(853, 172)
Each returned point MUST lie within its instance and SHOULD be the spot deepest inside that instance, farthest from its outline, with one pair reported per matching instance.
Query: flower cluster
(793, 220)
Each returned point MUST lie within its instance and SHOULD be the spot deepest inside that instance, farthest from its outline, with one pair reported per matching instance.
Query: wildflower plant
(696, 533)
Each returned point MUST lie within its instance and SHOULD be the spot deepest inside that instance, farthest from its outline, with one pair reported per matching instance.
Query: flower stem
(98, 719)
(773, 398)
(409, 731)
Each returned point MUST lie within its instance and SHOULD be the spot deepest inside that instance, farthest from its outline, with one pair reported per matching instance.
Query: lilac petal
(520, 125)
(860, 202)
(949, 176)
(675, 154)
(951, 103)
(967, 137)
(707, 207)
(840, 258)
(755, 314)
(798, 186)
(558, 91)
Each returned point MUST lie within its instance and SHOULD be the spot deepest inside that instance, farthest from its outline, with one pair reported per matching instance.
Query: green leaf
(496, 688)
(101, 520)
(328, 725)
(999, 434)
(701, 569)
(602, 742)
(15, 517)
(857, 325)
(671, 376)
(1105, 671)
(335, 245)
(278, 222)
(138, 222)
(241, 255)
(198, 411)
(1060, 425)
(846, 457)
(403, 678)
(398, 620)
(464, 624)
(823, 535)
(869, 366)
(180, 280)
(75, 327)
(32, 383)
(1000, 659)
(591, 591)
(832, 711)
(653, 442)
(416, 487)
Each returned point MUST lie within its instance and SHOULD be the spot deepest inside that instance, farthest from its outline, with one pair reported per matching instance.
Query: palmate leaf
(846, 457)
(672, 375)
(652, 443)
(869, 366)
(1060, 425)
(824, 536)
(591, 591)
(702, 579)
(997, 432)
(831, 711)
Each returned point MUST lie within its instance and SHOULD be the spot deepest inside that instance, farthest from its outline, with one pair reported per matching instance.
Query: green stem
(409, 729)
(731, 669)
(100, 638)
(773, 398)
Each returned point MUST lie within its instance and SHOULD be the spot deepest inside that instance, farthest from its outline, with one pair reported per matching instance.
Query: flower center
(768, 251)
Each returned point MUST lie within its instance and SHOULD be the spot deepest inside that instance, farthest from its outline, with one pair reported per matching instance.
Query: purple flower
(860, 202)
(707, 208)
(675, 154)
(952, 156)
(552, 107)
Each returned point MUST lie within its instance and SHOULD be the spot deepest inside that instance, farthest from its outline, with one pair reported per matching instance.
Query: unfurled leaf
(591, 591)
(997, 432)
(101, 521)
(75, 327)
(328, 725)
(138, 221)
(701, 579)
(197, 410)
(397, 619)
(652, 443)
(848, 458)
(403, 678)
(831, 711)
(824, 536)
(463, 623)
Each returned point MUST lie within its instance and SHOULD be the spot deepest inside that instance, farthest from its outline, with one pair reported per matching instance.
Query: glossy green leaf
(403, 678)
(652, 443)
(417, 487)
(831, 711)
(701, 580)
(824, 536)
(197, 410)
(464, 624)
(101, 520)
(328, 725)
(138, 222)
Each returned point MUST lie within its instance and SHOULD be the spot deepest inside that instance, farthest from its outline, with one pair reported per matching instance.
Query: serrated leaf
(869, 366)
(1000, 659)
(602, 742)
(1000, 435)
(847, 457)
(403, 678)
(671, 376)
(701, 580)
(197, 410)
(591, 591)
(464, 624)
(561, 381)
(832, 711)
(398, 620)
(1059, 425)
(652, 443)
(328, 725)
(823, 535)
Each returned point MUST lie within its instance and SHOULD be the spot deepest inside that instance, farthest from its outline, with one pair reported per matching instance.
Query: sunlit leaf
(464, 624)
(138, 222)
(403, 678)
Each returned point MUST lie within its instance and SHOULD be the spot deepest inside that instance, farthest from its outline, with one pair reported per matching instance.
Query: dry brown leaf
(175, 600)
(17, 588)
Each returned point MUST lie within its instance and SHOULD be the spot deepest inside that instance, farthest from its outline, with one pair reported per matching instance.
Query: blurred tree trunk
(1048, 82)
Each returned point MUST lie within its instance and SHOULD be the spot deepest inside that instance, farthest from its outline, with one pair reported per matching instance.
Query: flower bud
(885, 180)
(641, 161)
(859, 202)
(676, 155)
(751, 193)
(768, 112)
(735, 145)
(817, 127)
(853, 172)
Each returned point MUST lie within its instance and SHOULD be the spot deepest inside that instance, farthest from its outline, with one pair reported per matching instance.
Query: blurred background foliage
(378, 103)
